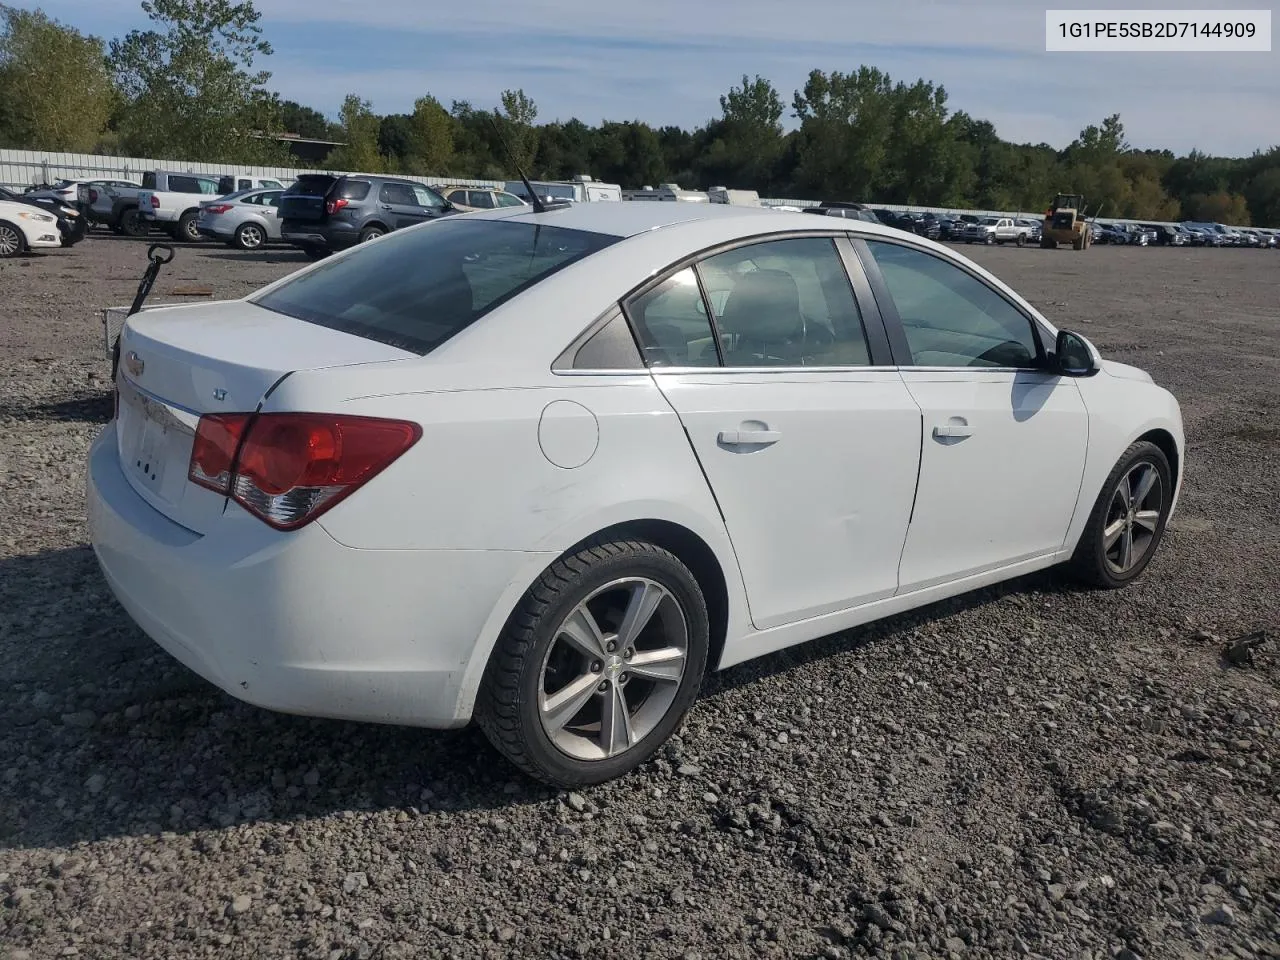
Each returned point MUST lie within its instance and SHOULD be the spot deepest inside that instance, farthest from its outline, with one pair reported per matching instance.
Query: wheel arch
(691, 547)
(1163, 439)
(374, 222)
(22, 235)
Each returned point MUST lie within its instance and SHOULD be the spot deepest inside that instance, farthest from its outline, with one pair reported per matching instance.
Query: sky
(669, 61)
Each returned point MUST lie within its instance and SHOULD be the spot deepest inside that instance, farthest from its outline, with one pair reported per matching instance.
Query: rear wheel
(250, 236)
(315, 253)
(186, 229)
(131, 224)
(12, 240)
(1128, 519)
(371, 233)
(598, 665)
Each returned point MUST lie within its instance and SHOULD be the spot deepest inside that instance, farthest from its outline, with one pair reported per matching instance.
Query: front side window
(509, 200)
(458, 196)
(415, 289)
(426, 197)
(951, 318)
(785, 303)
(482, 199)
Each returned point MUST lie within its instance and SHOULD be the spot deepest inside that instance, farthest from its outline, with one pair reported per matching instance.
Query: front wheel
(12, 241)
(598, 665)
(1022, 239)
(1128, 519)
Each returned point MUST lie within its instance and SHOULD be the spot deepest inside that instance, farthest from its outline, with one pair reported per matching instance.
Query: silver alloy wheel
(10, 242)
(192, 231)
(613, 669)
(251, 236)
(1133, 517)
(370, 235)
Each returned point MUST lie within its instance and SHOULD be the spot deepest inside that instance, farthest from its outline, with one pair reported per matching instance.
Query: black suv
(846, 209)
(323, 212)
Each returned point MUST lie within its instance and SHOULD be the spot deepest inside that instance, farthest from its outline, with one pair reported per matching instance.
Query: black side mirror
(1072, 356)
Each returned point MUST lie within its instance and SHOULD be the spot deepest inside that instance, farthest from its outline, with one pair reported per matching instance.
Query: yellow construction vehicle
(1064, 222)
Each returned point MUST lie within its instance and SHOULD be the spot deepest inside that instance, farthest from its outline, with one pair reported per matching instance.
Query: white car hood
(1125, 372)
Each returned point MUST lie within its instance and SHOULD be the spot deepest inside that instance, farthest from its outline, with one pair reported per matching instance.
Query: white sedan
(24, 226)
(544, 470)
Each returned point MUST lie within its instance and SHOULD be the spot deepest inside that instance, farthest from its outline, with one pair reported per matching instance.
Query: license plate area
(155, 442)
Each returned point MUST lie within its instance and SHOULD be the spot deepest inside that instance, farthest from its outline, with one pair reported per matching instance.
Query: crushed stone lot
(1032, 770)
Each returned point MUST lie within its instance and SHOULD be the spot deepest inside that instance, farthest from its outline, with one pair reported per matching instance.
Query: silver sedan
(246, 219)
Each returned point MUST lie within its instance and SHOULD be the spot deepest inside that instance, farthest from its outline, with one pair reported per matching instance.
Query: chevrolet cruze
(544, 470)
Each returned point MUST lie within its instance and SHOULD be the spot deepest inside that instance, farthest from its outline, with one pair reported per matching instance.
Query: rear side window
(415, 289)
(396, 193)
(354, 189)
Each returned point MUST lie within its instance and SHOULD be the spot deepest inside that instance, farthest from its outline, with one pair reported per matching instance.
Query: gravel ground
(1033, 770)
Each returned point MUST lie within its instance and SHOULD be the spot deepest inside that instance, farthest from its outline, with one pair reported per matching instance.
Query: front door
(810, 450)
(1004, 441)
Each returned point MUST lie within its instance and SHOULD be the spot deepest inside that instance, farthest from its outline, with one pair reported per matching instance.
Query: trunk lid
(177, 363)
(304, 201)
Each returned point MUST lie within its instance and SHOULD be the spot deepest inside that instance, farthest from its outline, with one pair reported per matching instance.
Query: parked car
(322, 213)
(72, 227)
(996, 230)
(25, 226)
(921, 224)
(479, 198)
(846, 209)
(298, 497)
(247, 219)
(171, 201)
(1034, 228)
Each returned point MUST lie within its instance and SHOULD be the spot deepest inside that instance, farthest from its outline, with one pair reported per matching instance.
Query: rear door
(808, 437)
(398, 204)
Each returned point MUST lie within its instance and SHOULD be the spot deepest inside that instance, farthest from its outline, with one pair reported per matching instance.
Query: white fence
(21, 168)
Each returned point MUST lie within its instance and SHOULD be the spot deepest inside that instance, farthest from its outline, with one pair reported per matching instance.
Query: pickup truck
(996, 230)
(171, 201)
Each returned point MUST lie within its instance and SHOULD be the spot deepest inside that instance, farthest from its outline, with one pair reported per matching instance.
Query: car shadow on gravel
(80, 408)
(108, 735)
(273, 255)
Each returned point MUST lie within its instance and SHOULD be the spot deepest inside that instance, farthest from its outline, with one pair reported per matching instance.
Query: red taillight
(288, 468)
(217, 208)
(155, 201)
(333, 206)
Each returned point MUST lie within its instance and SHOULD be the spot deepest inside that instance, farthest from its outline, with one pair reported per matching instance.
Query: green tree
(57, 91)
(431, 137)
(304, 121)
(747, 142)
(516, 121)
(359, 152)
(1221, 207)
(191, 86)
(846, 123)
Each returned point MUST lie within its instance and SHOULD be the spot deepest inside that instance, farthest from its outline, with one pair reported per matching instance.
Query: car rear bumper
(297, 622)
(328, 237)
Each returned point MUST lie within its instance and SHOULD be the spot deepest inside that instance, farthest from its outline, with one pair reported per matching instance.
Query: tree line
(193, 86)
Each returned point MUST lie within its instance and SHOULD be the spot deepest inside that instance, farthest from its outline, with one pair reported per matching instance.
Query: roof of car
(630, 218)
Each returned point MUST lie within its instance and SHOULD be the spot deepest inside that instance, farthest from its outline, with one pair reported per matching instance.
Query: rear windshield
(415, 289)
(311, 185)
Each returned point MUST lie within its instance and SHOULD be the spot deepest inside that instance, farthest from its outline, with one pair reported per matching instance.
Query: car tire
(1117, 518)
(315, 253)
(250, 236)
(132, 224)
(607, 717)
(1021, 240)
(371, 233)
(12, 240)
(186, 228)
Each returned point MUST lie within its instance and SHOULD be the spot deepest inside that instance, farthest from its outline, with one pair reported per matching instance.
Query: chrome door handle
(735, 438)
(953, 430)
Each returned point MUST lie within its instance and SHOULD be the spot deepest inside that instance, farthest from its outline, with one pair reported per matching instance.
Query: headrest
(764, 305)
